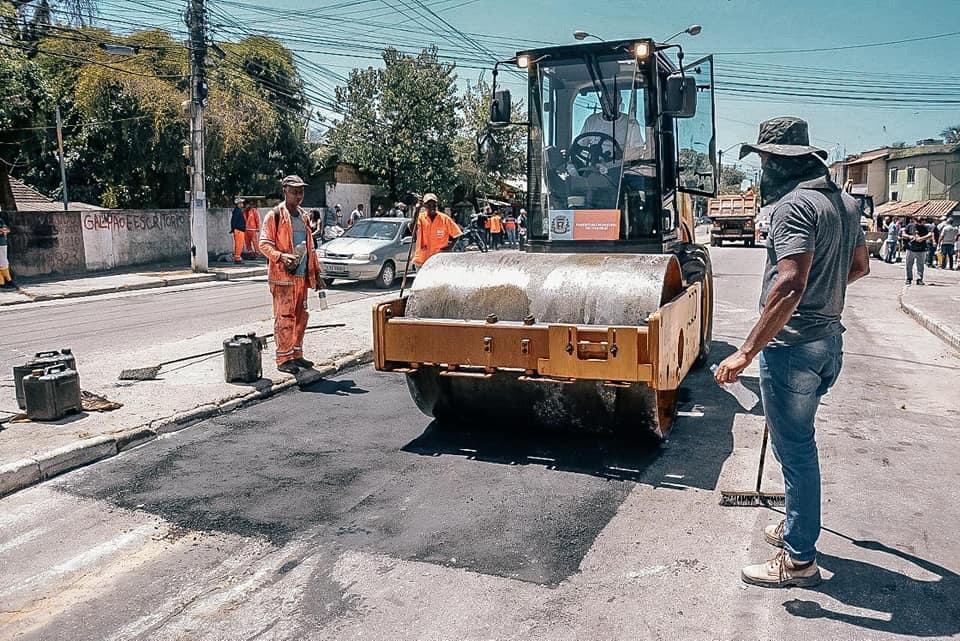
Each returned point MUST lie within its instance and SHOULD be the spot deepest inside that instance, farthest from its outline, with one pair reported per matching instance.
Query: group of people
(923, 242)
(245, 228)
(501, 229)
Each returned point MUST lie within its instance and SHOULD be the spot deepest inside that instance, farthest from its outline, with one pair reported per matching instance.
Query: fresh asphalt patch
(351, 463)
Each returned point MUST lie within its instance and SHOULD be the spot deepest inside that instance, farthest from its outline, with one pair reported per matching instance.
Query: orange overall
(252, 218)
(289, 291)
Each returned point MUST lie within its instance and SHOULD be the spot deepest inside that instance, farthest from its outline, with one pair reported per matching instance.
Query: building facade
(925, 172)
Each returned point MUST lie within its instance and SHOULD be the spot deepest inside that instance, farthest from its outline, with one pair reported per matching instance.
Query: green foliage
(400, 123)
(125, 121)
(507, 157)
(951, 134)
(730, 179)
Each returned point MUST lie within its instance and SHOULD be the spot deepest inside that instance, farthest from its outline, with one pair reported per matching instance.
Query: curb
(932, 325)
(21, 474)
(166, 282)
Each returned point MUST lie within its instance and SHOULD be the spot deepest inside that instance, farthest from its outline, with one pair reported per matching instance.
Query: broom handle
(217, 351)
(763, 455)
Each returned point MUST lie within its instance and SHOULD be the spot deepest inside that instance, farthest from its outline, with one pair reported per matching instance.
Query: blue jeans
(792, 380)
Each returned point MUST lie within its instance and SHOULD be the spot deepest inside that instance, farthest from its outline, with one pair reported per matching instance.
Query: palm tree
(951, 134)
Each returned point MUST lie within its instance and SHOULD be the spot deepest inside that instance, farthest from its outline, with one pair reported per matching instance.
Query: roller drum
(586, 289)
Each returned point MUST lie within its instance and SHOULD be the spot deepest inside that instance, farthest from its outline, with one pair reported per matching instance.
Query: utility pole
(196, 21)
(63, 169)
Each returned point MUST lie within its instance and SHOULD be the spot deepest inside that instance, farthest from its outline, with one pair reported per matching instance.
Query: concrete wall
(43, 243)
(348, 196)
(877, 181)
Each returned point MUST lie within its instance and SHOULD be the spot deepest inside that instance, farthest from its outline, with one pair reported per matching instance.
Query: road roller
(595, 324)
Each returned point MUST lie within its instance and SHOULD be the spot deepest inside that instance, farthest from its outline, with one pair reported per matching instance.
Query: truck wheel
(388, 273)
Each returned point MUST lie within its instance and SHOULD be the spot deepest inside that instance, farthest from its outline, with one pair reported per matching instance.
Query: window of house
(894, 196)
(893, 176)
(911, 174)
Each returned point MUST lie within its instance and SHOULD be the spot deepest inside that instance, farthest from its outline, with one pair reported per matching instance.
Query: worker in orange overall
(252, 218)
(286, 239)
(496, 230)
(238, 227)
(435, 230)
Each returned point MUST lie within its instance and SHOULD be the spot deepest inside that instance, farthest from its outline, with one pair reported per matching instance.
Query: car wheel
(388, 273)
(328, 282)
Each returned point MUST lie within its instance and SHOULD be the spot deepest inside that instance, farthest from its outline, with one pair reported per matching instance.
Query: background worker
(815, 248)
(6, 278)
(496, 229)
(286, 239)
(238, 229)
(948, 242)
(510, 227)
(355, 216)
(435, 230)
(252, 219)
(916, 235)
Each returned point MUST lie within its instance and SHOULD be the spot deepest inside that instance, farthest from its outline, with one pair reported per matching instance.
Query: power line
(837, 48)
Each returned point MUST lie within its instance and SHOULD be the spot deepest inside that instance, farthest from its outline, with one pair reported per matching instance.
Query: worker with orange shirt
(435, 230)
(286, 239)
(238, 229)
(252, 217)
(496, 229)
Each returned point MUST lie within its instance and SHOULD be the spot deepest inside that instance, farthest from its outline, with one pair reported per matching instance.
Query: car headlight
(321, 253)
(365, 257)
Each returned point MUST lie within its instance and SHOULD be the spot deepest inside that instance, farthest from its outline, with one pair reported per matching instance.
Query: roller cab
(597, 323)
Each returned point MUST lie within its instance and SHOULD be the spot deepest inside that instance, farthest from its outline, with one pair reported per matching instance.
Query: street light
(692, 30)
(580, 34)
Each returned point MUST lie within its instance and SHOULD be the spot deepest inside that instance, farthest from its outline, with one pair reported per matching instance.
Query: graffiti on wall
(45, 242)
(158, 221)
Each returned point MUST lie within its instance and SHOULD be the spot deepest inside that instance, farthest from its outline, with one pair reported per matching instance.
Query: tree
(400, 123)
(951, 134)
(731, 179)
(508, 157)
(21, 123)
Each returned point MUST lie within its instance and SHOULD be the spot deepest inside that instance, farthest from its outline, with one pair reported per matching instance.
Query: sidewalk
(142, 277)
(182, 395)
(936, 305)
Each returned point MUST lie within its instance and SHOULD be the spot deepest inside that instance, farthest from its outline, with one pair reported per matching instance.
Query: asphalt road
(338, 511)
(120, 322)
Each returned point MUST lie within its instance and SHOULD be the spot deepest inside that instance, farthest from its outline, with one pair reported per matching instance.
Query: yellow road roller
(595, 324)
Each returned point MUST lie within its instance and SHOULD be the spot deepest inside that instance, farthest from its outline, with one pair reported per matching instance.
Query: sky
(733, 30)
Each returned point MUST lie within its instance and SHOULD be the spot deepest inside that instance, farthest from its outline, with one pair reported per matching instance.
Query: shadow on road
(692, 456)
(914, 607)
(338, 387)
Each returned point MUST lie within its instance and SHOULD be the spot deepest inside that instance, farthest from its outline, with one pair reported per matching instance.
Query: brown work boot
(781, 572)
(773, 534)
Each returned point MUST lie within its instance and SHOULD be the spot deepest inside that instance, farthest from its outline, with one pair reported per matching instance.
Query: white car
(373, 249)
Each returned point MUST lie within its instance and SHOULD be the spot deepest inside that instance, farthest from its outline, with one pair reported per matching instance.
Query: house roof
(29, 199)
(921, 208)
(868, 156)
(924, 150)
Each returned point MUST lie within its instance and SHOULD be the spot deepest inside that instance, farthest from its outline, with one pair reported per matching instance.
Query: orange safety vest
(252, 218)
(495, 227)
(276, 237)
(433, 235)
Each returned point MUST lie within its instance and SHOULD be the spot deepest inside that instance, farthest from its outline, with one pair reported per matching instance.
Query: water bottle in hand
(746, 398)
(322, 294)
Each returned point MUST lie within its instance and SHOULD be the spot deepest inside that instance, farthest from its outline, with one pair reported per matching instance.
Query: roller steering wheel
(594, 155)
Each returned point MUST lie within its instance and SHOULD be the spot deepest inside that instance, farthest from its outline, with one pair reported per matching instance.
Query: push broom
(756, 498)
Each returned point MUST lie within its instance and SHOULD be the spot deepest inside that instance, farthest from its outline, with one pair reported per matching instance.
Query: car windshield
(379, 229)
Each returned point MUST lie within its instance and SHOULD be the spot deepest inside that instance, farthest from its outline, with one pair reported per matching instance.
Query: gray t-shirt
(815, 217)
(948, 235)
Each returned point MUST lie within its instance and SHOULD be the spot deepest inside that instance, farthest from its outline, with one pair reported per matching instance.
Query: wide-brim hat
(786, 136)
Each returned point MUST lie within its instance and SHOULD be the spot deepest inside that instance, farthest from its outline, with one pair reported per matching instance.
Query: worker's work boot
(304, 363)
(773, 534)
(290, 367)
(781, 572)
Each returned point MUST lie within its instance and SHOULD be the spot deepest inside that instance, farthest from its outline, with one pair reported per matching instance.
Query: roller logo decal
(584, 224)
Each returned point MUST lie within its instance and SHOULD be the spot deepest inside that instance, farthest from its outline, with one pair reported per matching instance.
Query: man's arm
(782, 301)
(860, 266)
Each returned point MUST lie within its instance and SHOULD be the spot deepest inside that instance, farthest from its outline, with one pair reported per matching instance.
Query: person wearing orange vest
(286, 239)
(435, 230)
(252, 218)
(238, 229)
(496, 229)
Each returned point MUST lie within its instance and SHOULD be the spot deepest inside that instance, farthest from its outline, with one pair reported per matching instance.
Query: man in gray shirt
(815, 248)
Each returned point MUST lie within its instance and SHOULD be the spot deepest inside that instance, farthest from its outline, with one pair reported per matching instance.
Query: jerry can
(242, 358)
(51, 393)
(41, 360)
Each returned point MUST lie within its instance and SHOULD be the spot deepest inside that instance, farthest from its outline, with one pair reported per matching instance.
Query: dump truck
(596, 323)
(733, 217)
